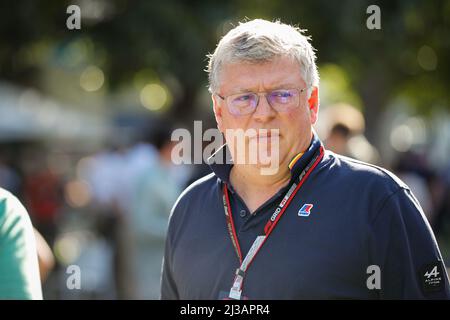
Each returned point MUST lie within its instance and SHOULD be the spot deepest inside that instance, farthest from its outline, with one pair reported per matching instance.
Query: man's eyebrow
(275, 87)
(240, 90)
(284, 86)
(243, 90)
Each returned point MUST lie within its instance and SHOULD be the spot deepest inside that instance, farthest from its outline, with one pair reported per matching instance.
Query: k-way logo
(305, 210)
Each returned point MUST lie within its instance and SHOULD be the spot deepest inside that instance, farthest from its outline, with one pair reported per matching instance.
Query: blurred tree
(408, 56)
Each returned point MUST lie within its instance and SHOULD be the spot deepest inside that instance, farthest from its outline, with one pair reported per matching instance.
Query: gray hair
(259, 41)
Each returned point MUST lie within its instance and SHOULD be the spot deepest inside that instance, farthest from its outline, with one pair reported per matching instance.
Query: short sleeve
(19, 268)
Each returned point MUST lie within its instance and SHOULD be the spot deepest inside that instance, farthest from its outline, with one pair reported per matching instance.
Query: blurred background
(86, 116)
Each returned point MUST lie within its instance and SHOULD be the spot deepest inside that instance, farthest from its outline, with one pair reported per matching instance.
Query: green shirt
(19, 268)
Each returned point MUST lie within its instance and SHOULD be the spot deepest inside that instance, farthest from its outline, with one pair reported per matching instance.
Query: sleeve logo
(432, 277)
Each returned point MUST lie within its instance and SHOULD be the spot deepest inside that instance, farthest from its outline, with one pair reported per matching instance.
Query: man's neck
(254, 188)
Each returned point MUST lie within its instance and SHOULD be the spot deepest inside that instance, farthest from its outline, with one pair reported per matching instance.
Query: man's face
(294, 124)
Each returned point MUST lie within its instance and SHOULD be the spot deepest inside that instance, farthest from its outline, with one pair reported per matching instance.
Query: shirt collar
(221, 161)
(301, 160)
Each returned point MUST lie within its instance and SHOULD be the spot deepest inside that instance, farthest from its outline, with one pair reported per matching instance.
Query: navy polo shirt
(365, 237)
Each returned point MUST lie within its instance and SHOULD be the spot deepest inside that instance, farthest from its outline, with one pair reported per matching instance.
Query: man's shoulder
(364, 173)
(366, 186)
(193, 201)
(13, 215)
(198, 187)
(10, 205)
(18, 246)
(5, 195)
(195, 193)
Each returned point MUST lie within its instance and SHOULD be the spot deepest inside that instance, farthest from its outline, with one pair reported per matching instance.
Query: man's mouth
(266, 135)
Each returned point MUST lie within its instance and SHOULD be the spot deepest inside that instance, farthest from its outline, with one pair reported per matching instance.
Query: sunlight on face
(294, 125)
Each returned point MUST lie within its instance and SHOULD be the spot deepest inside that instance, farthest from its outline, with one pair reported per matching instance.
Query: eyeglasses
(281, 100)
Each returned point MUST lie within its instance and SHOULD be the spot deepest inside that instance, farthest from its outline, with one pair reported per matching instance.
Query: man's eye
(243, 98)
(281, 94)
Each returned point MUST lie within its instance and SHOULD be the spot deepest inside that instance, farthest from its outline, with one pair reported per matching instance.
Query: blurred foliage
(135, 40)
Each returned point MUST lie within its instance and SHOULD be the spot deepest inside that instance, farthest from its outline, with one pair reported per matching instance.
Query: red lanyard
(235, 292)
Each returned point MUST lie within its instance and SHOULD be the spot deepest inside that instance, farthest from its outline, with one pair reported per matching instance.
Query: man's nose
(264, 111)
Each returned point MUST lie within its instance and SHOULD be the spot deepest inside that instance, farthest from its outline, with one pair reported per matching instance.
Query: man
(19, 269)
(322, 226)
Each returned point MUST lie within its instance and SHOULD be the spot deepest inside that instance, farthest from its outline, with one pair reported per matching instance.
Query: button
(243, 213)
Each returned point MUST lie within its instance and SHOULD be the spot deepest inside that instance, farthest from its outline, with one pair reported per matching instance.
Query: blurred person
(413, 170)
(19, 268)
(96, 261)
(442, 217)
(155, 190)
(346, 133)
(198, 170)
(104, 173)
(42, 194)
(241, 234)
(337, 139)
(137, 159)
(9, 178)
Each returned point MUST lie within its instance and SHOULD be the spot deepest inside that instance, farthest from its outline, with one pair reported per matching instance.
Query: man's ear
(217, 112)
(313, 104)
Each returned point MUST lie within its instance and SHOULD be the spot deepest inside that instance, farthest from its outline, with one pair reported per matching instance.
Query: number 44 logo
(433, 273)
(432, 277)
